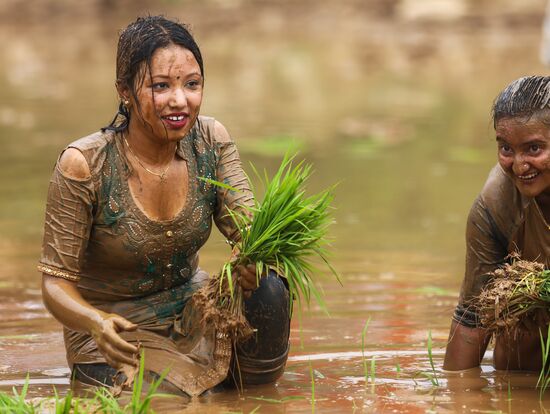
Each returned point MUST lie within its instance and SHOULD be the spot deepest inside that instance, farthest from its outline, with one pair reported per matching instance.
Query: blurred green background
(390, 98)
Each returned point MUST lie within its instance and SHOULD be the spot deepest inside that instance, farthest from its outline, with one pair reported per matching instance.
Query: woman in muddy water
(510, 215)
(126, 216)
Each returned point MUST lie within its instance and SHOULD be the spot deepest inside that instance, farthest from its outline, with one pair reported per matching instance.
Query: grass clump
(103, 400)
(517, 297)
(282, 233)
(106, 401)
(17, 403)
(67, 405)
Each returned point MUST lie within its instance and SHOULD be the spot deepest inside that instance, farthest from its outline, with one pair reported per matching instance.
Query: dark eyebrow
(535, 141)
(525, 144)
(163, 76)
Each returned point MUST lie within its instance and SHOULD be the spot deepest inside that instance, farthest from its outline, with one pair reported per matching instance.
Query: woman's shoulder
(213, 131)
(502, 201)
(94, 142)
(499, 189)
(73, 165)
(83, 157)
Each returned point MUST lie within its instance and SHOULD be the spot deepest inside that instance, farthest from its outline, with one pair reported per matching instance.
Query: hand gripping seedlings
(282, 233)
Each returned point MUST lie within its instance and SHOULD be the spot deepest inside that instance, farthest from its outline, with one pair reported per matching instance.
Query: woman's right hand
(66, 304)
(114, 349)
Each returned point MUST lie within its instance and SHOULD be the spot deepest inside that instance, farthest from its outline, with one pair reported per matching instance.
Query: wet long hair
(523, 98)
(136, 45)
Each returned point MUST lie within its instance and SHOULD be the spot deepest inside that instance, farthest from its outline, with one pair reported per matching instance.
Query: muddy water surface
(392, 106)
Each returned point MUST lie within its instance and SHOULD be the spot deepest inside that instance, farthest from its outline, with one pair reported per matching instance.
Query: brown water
(389, 99)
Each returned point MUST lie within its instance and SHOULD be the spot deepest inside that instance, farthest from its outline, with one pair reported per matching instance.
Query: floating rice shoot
(283, 233)
(517, 297)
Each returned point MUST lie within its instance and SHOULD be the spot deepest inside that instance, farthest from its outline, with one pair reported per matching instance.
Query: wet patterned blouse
(501, 221)
(145, 270)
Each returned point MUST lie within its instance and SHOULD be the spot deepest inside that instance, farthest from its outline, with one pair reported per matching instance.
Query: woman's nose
(520, 165)
(178, 98)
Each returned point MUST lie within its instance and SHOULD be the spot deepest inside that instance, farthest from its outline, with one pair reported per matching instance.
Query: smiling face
(169, 97)
(524, 153)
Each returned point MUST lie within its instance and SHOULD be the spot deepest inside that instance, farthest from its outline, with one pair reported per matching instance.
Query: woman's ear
(123, 93)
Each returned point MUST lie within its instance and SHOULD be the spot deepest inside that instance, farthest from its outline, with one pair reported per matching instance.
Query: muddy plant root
(221, 310)
(516, 299)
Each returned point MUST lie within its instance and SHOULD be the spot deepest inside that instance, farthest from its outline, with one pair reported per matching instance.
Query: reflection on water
(390, 99)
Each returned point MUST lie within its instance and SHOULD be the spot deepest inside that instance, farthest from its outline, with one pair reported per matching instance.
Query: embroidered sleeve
(67, 226)
(229, 171)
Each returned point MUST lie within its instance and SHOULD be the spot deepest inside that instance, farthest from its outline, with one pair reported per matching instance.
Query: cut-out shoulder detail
(73, 164)
(221, 132)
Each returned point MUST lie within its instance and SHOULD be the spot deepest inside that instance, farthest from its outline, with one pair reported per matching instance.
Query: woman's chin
(531, 188)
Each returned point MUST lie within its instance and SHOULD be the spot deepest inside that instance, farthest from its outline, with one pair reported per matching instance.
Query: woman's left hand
(246, 274)
(247, 278)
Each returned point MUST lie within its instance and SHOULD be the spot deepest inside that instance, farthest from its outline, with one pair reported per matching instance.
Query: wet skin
(167, 106)
(524, 154)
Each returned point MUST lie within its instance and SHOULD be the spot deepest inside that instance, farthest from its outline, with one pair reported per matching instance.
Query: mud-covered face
(524, 153)
(170, 96)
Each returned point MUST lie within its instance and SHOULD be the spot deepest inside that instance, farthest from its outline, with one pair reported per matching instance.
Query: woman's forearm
(465, 347)
(67, 305)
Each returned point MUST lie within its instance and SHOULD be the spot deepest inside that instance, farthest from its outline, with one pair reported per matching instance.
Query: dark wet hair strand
(524, 97)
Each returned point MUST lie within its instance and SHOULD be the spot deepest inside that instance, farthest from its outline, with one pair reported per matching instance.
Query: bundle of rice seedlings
(282, 233)
(516, 298)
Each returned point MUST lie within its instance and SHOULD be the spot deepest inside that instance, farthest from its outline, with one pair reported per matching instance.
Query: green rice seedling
(283, 233)
(431, 376)
(139, 404)
(373, 369)
(66, 405)
(398, 368)
(509, 391)
(17, 403)
(312, 388)
(106, 402)
(544, 376)
(364, 359)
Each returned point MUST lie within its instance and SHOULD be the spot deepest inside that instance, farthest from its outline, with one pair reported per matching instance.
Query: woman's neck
(152, 150)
